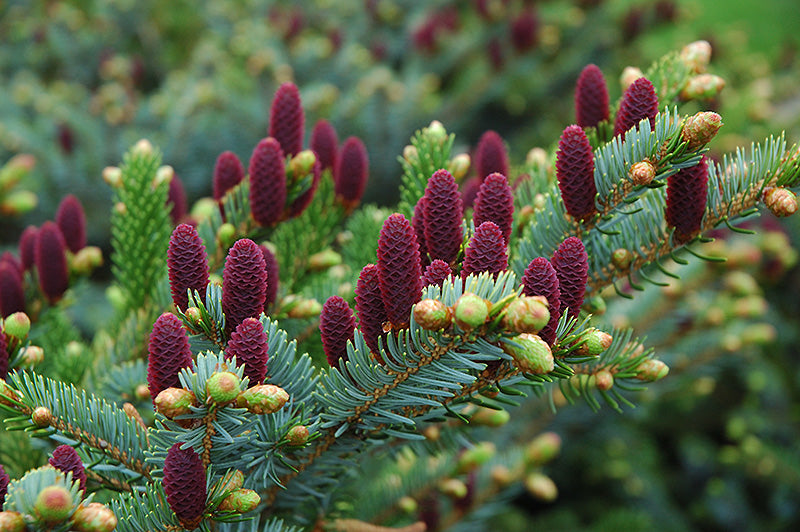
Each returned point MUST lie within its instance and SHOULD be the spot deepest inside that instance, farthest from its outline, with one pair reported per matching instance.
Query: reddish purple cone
(369, 306)
(443, 217)
(496, 54)
(525, 30)
(325, 144)
(3, 368)
(436, 273)
(267, 182)
(4, 480)
(12, 294)
(168, 353)
(67, 460)
(540, 279)
(51, 262)
(352, 169)
(244, 283)
(177, 198)
(71, 219)
(27, 246)
(575, 173)
(336, 326)
(591, 97)
(399, 269)
(185, 485)
(286, 119)
(490, 155)
(9, 258)
(495, 203)
(187, 264)
(273, 277)
(486, 251)
(304, 200)
(572, 268)
(638, 102)
(228, 172)
(469, 191)
(248, 344)
(418, 222)
(686, 201)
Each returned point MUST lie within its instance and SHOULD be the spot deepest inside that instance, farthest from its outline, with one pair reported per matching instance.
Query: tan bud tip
(642, 173)
(780, 201)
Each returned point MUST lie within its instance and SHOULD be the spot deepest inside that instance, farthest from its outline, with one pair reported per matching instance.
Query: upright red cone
(572, 268)
(369, 307)
(352, 170)
(443, 217)
(3, 365)
(638, 102)
(287, 120)
(67, 460)
(399, 269)
(27, 247)
(168, 353)
(495, 203)
(591, 97)
(71, 219)
(228, 172)
(325, 144)
(687, 193)
(575, 173)
(541, 279)
(491, 155)
(336, 326)
(486, 251)
(267, 182)
(187, 264)
(176, 197)
(248, 344)
(436, 273)
(244, 283)
(185, 485)
(51, 262)
(12, 293)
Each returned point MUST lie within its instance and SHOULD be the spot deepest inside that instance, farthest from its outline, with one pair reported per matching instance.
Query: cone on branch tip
(244, 283)
(470, 311)
(527, 314)
(262, 399)
(591, 97)
(268, 191)
(228, 172)
(336, 325)
(369, 307)
(700, 128)
(486, 251)
(174, 402)
(65, 459)
(51, 262)
(248, 343)
(443, 213)
(286, 119)
(495, 203)
(11, 521)
(351, 173)
(71, 219)
(399, 270)
(187, 264)
(240, 501)
(531, 354)
(93, 517)
(651, 370)
(168, 353)
(638, 102)
(686, 201)
(490, 155)
(432, 315)
(4, 481)
(571, 265)
(53, 505)
(222, 387)
(780, 201)
(642, 173)
(541, 279)
(696, 55)
(575, 173)
(325, 144)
